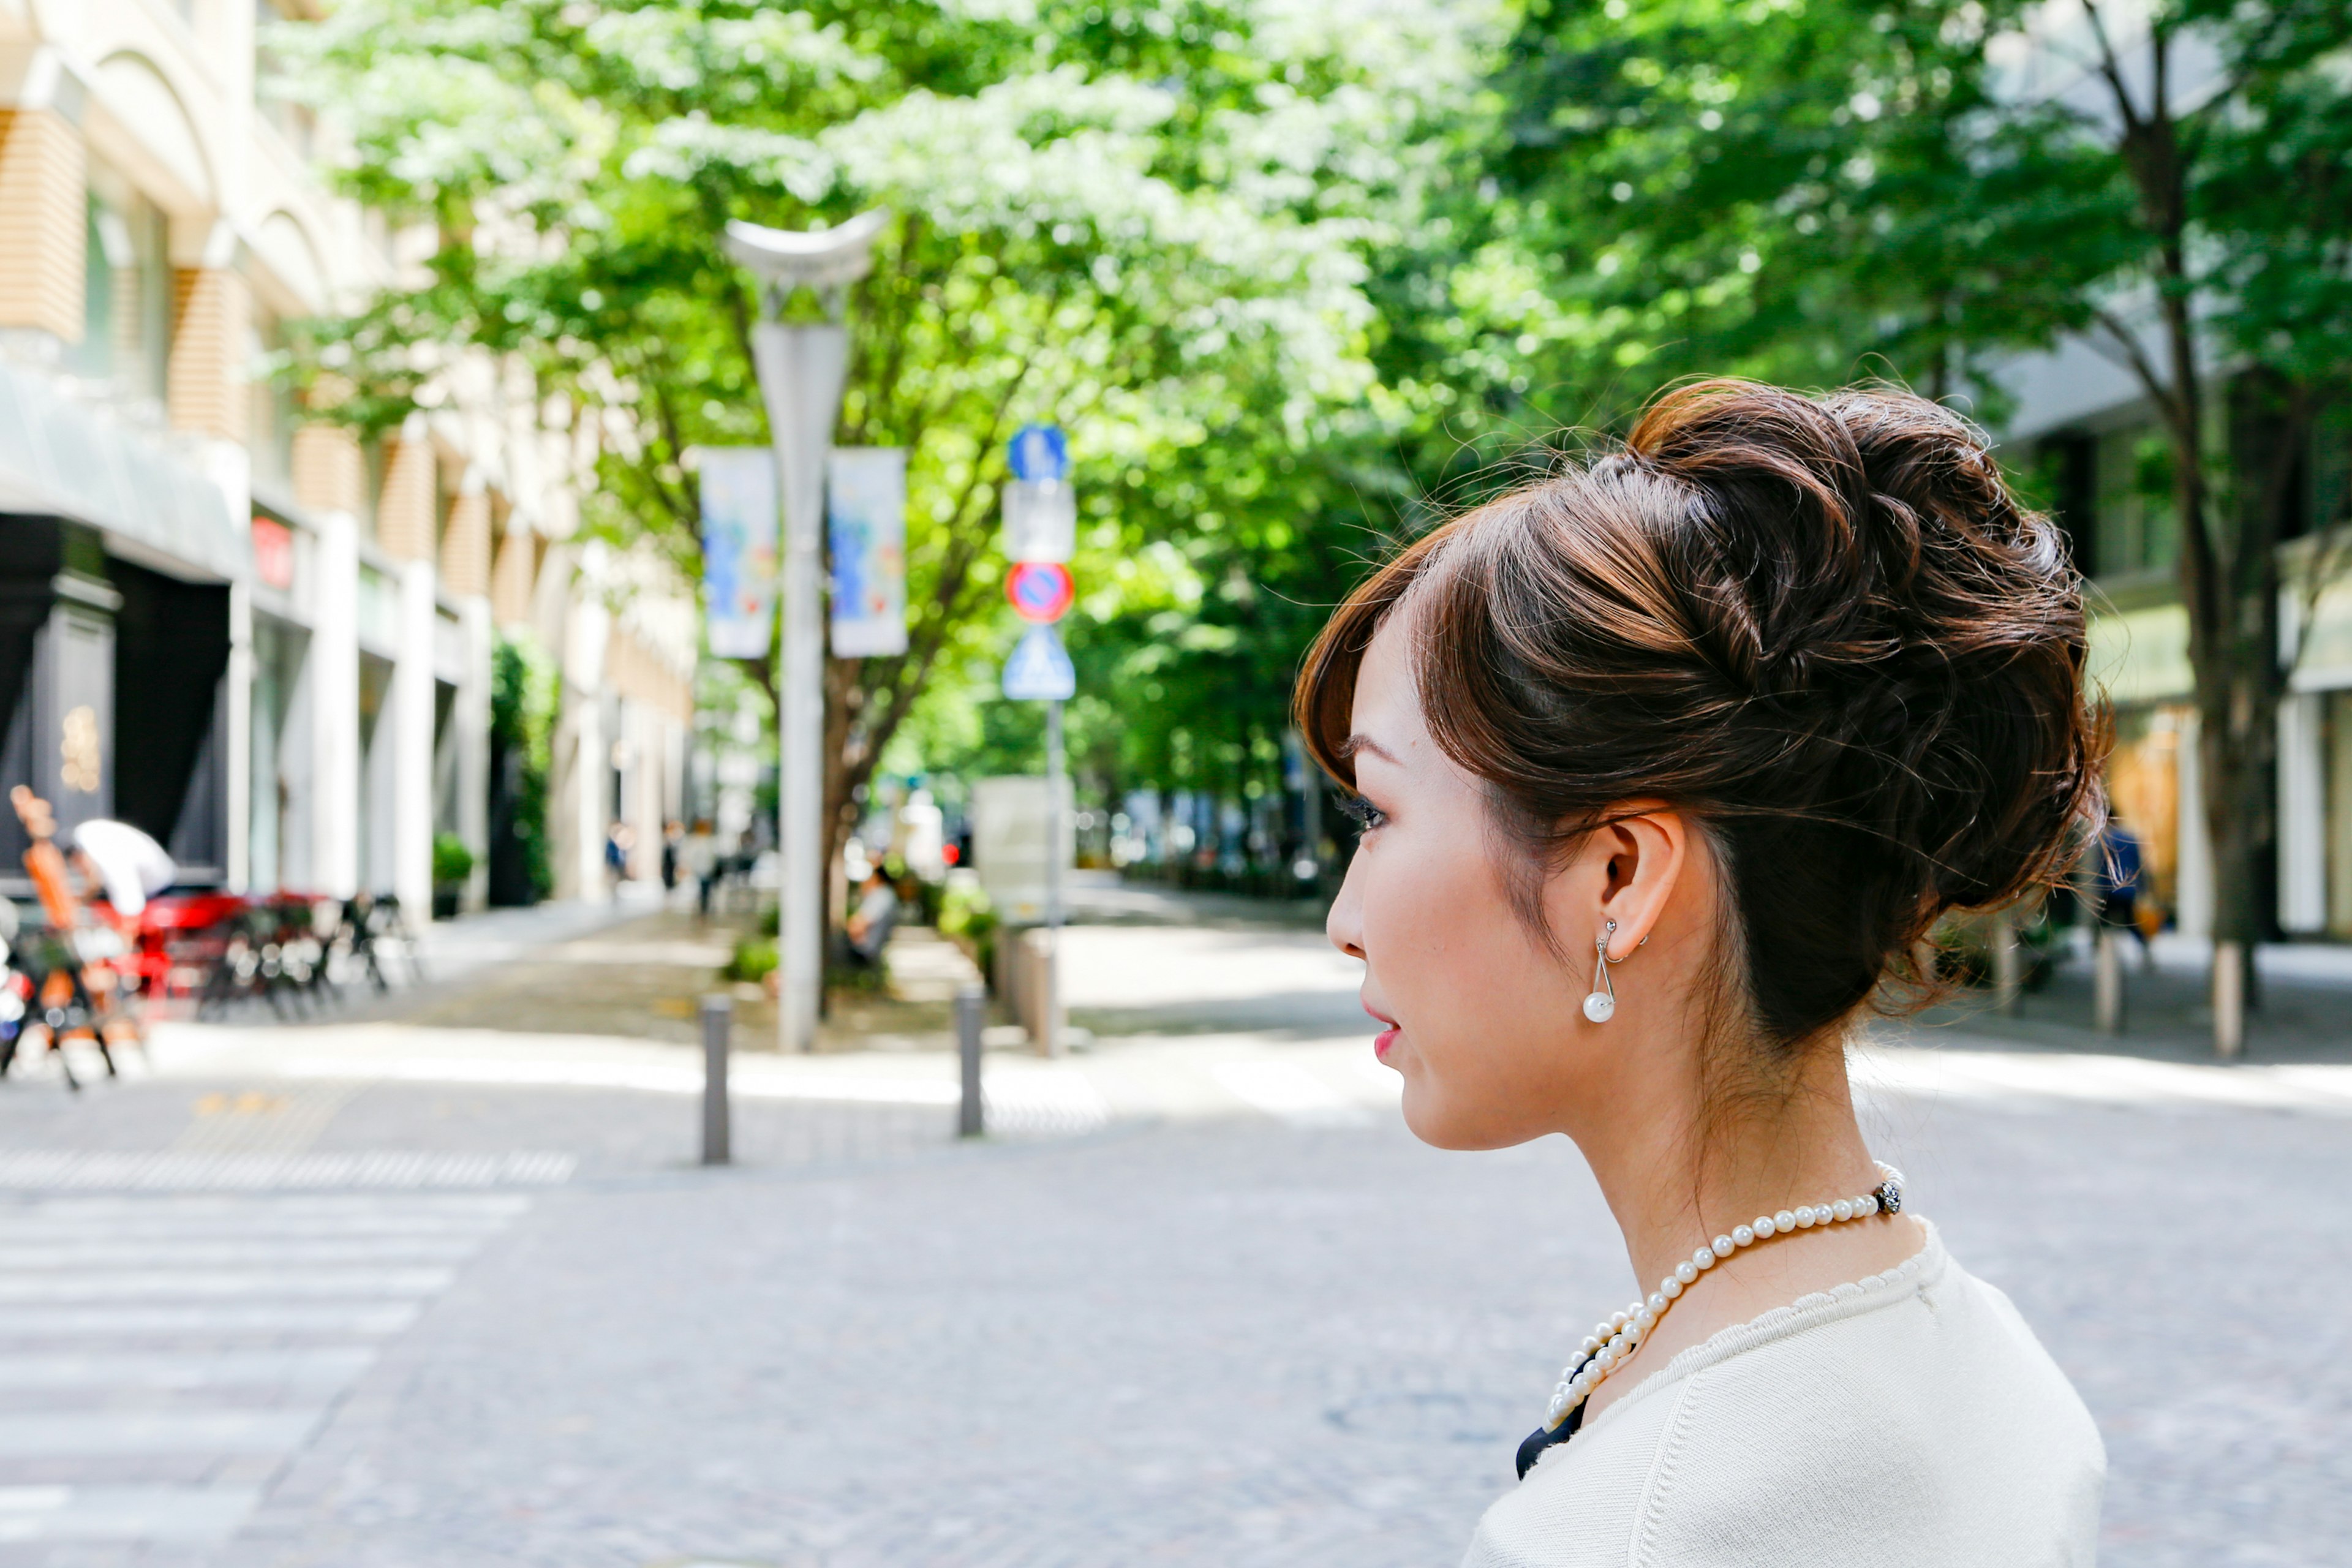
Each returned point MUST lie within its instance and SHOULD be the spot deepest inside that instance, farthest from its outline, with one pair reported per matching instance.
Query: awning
(59, 459)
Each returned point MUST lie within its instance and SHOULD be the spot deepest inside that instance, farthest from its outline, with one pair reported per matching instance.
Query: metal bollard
(718, 1025)
(969, 1007)
(2107, 979)
(2007, 962)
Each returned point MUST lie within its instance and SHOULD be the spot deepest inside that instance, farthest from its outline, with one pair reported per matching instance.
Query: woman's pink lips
(1386, 1038)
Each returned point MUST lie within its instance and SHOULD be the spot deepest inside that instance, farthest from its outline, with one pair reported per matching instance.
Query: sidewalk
(2302, 1007)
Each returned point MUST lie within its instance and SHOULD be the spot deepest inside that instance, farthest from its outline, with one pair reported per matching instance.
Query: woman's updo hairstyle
(1822, 627)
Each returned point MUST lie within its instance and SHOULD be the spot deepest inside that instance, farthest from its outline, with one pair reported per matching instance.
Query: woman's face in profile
(1477, 1014)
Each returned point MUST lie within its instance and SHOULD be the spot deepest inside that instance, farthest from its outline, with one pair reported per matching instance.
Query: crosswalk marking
(40, 1170)
(92, 1322)
(171, 1336)
(167, 1515)
(88, 1434)
(58, 1252)
(329, 1367)
(168, 1284)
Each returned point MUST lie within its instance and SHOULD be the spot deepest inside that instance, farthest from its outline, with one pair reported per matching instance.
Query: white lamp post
(801, 367)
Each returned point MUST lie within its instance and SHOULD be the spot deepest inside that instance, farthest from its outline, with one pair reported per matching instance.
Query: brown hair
(1822, 627)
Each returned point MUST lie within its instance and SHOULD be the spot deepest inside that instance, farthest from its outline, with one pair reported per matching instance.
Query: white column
(2303, 816)
(649, 756)
(333, 675)
(2193, 900)
(237, 766)
(409, 710)
(677, 758)
(585, 801)
(471, 726)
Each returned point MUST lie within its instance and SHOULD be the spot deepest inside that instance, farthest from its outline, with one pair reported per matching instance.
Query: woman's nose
(1345, 925)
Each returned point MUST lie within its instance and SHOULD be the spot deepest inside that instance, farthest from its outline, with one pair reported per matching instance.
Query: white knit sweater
(1911, 1420)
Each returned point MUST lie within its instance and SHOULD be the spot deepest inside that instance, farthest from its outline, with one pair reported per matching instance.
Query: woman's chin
(1429, 1119)
(1440, 1123)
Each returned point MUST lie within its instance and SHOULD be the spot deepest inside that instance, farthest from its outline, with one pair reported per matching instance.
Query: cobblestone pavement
(1207, 1304)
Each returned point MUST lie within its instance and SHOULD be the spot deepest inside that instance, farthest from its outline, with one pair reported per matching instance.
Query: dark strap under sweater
(1544, 1437)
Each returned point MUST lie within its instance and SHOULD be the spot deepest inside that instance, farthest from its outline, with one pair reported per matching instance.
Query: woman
(1742, 708)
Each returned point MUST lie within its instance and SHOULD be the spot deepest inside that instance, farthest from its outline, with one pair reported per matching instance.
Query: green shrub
(965, 915)
(452, 861)
(755, 958)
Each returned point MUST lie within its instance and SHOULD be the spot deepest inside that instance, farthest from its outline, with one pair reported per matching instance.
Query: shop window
(269, 425)
(126, 339)
(2336, 743)
(2144, 792)
(272, 81)
(372, 492)
(2062, 480)
(2135, 531)
(2328, 499)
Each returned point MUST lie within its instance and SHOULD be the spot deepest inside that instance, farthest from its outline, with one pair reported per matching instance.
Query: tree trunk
(2238, 704)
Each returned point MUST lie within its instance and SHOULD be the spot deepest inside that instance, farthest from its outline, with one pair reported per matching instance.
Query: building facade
(268, 638)
(2084, 428)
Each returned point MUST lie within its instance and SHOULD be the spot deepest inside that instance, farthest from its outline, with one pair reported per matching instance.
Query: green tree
(1147, 222)
(1806, 190)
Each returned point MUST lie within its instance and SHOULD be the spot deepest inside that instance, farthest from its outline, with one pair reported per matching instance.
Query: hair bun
(1897, 592)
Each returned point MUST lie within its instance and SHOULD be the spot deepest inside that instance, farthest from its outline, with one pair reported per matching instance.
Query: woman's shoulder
(1910, 1417)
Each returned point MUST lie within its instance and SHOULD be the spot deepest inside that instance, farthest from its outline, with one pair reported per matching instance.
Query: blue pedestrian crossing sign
(1040, 452)
(1039, 669)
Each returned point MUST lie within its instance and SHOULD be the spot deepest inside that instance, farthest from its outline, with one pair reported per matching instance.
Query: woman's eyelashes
(1366, 816)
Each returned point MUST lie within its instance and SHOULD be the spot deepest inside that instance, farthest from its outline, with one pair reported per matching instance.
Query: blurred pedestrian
(700, 858)
(2118, 869)
(618, 841)
(1744, 707)
(124, 861)
(672, 836)
(870, 921)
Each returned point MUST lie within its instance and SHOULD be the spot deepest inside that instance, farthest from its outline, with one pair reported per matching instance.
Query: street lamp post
(802, 368)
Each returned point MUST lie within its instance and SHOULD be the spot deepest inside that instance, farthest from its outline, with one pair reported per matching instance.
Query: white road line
(342, 1320)
(129, 1325)
(62, 1251)
(67, 1169)
(52, 1434)
(184, 1284)
(169, 1226)
(328, 1368)
(177, 1515)
(402, 1208)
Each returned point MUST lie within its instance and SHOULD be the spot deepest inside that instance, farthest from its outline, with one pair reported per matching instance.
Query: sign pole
(1041, 519)
(1054, 769)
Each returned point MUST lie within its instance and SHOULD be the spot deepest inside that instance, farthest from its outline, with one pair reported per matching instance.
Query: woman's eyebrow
(1360, 743)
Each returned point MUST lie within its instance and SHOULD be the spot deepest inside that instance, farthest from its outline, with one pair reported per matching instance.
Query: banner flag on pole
(865, 516)
(739, 548)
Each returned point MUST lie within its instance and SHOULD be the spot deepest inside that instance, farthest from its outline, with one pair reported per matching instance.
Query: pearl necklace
(1610, 1344)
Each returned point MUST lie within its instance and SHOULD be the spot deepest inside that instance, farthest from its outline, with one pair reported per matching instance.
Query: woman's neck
(1676, 1175)
(1677, 1178)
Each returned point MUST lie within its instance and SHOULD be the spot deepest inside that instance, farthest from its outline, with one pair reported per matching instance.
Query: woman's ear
(1627, 872)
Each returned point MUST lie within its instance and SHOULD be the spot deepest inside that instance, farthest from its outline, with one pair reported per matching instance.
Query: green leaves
(1156, 224)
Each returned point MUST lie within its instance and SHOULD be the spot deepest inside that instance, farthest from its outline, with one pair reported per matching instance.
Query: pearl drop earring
(1601, 1005)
